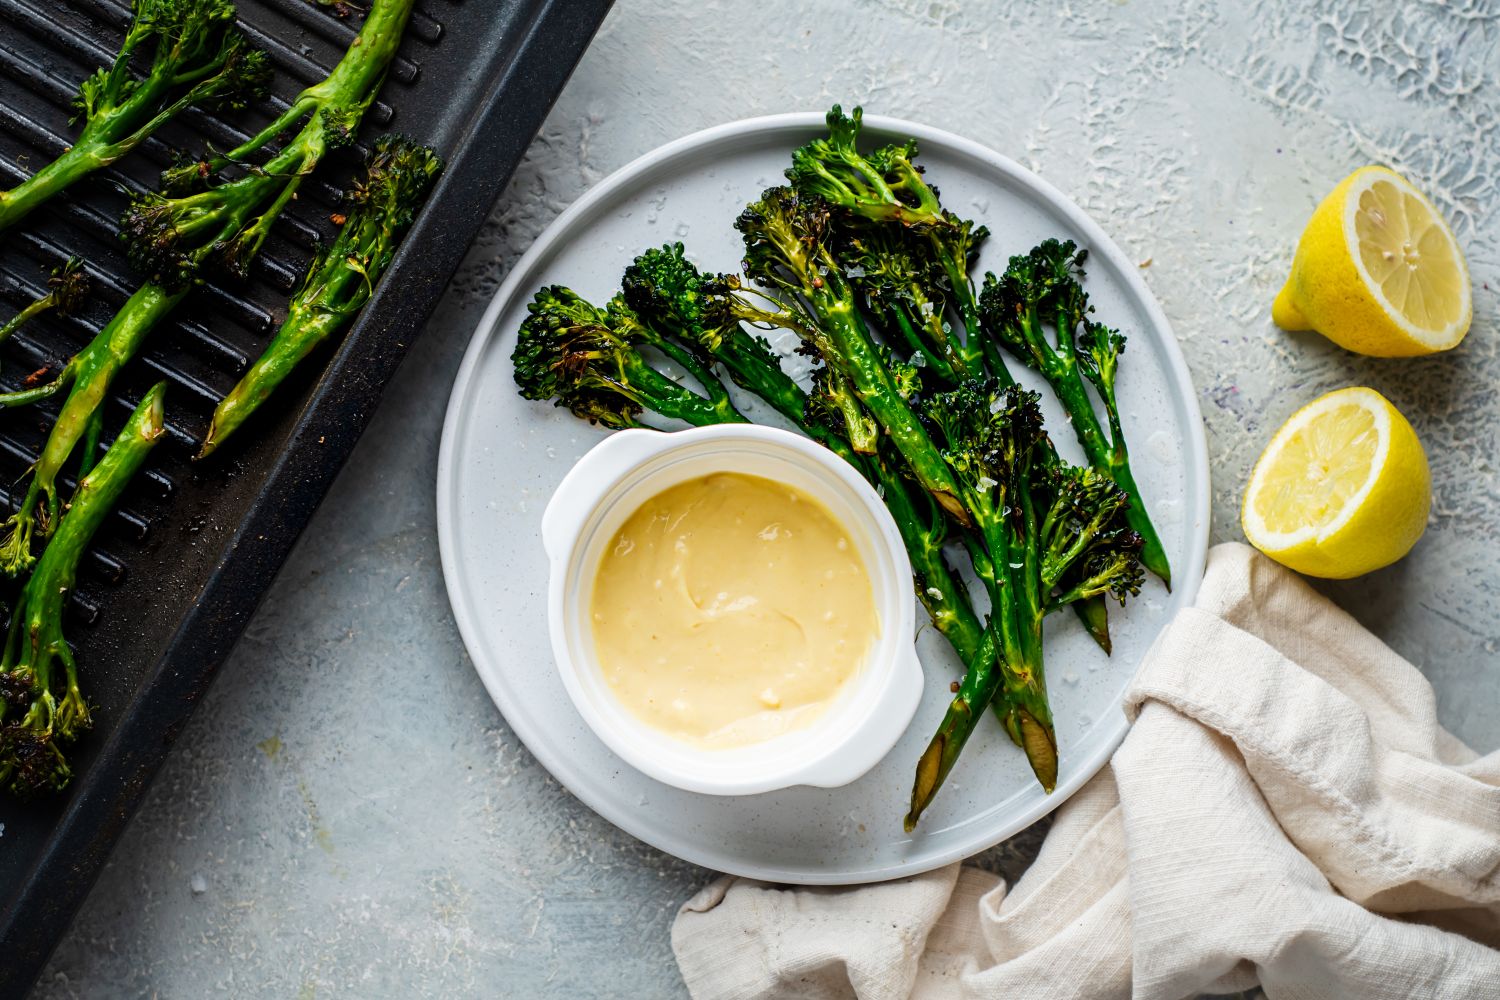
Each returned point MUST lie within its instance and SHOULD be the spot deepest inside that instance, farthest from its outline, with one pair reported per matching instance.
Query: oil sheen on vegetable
(730, 609)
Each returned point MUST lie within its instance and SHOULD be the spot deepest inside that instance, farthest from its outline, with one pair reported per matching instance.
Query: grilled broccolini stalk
(164, 230)
(90, 373)
(589, 360)
(175, 240)
(1042, 289)
(1053, 534)
(786, 248)
(67, 286)
(43, 709)
(341, 277)
(191, 53)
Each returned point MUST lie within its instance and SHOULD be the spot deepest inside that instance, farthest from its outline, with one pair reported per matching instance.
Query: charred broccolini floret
(906, 293)
(42, 708)
(67, 287)
(887, 187)
(1043, 291)
(164, 232)
(1040, 523)
(190, 52)
(341, 277)
(589, 360)
(706, 311)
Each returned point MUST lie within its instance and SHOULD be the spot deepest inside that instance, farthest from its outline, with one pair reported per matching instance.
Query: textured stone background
(348, 816)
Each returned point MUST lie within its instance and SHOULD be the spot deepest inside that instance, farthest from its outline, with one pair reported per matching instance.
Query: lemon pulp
(1409, 256)
(1319, 469)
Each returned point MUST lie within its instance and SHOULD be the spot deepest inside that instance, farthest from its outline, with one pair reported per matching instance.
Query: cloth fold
(1285, 811)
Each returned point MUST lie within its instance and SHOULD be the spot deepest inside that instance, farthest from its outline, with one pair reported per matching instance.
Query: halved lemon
(1342, 489)
(1377, 271)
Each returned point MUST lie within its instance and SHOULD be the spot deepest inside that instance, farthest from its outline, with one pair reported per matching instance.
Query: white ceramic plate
(502, 456)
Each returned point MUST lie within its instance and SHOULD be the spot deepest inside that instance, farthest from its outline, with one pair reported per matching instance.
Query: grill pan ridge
(175, 573)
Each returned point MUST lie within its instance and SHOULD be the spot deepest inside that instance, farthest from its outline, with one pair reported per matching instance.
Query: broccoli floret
(1084, 529)
(191, 53)
(67, 287)
(885, 186)
(588, 359)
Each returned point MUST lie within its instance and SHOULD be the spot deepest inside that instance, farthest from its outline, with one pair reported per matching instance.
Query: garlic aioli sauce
(730, 609)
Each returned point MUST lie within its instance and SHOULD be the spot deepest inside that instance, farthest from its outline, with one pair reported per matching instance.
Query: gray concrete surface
(348, 816)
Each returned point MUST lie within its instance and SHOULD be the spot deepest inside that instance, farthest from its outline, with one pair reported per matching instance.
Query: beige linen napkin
(1286, 810)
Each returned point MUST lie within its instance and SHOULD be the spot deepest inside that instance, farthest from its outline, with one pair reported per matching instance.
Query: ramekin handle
(880, 732)
(589, 480)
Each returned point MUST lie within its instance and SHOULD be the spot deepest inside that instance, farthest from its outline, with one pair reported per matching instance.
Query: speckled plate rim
(520, 281)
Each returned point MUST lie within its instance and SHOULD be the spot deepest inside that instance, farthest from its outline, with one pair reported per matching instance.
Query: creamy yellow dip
(730, 609)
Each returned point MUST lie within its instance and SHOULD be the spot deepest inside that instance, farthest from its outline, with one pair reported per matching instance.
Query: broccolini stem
(949, 369)
(294, 341)
(341, 277)
(90, 374)
(357, 77)
(31, 759)
(973, 348)
(855, 354)
(197, 47)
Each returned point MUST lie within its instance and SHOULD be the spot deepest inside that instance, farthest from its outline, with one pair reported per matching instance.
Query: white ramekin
(608, 484)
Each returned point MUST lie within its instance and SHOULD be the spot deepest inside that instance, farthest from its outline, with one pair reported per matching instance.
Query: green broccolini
(341, 277)
(886, 187)
(89, 373)
(175, 241)
(165, 231)
(191, 53)
(67, 287)
(1043, 289)
(1053, 535)
(42, 708)
(786, 248)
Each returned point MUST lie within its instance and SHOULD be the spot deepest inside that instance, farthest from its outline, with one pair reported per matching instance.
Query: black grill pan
(176, 572)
